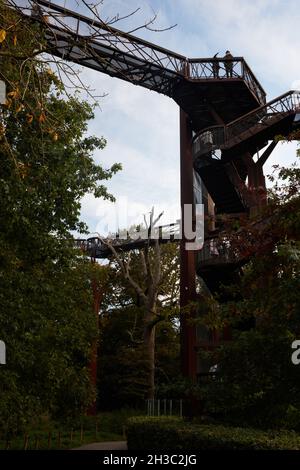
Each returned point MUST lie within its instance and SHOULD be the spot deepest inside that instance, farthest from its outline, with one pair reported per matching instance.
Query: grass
(47, 434)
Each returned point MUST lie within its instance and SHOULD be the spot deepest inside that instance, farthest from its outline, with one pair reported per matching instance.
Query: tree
(257, 382)
(146, 286)
(46, 166)
(123, 367)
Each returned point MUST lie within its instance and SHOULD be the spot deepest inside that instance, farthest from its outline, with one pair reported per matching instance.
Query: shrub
(257, 384)
(177, 434)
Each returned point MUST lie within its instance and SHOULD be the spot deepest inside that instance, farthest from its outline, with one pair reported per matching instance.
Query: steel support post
(187, 258)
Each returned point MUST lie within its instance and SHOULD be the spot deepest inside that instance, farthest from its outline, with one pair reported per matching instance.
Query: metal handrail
(264, 115)
(136, 51)
(270, 104)
(217, 251)
(220, 68)
(289, 101)
(126, 241)
(203, 144)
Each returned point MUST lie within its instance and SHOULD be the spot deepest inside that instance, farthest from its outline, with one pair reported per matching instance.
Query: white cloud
(295, 85)
(142, 132)
(263, 31)
(142, 127)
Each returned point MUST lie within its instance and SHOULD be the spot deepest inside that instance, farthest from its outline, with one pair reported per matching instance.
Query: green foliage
(123, 361)
(256, 381)
(48, 325)
(168, 359)
(177, 387)
(45, 433)
(177, 435)
(46, 166)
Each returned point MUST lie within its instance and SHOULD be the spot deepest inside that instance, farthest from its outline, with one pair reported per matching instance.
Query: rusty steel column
(187, 258)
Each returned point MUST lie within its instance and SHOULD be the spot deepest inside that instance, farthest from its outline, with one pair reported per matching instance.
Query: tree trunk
(149, 342)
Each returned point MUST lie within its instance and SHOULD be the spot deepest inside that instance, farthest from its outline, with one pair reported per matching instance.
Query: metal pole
(2, 92)
(187, 258)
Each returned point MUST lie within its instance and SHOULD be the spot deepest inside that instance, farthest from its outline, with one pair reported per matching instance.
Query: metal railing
(92, 40)
(164, 407)
(220, 68)
(125, 241)
(217, 137)
(95, 30)
(253, 83)
(265, 115)
(217, 251)
(208, 140)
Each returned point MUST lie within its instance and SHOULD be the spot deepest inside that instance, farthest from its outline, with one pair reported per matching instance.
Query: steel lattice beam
(96, 45)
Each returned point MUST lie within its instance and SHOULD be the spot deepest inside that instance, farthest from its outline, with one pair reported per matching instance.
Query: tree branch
(125, 267)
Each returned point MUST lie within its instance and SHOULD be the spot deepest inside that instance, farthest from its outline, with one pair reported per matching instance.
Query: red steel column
(187, 258)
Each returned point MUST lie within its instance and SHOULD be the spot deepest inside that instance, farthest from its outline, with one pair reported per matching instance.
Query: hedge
(177, 434)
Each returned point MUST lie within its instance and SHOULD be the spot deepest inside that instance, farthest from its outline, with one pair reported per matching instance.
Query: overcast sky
(142, 127)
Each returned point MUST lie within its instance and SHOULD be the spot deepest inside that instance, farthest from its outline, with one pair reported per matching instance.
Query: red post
(187, 258)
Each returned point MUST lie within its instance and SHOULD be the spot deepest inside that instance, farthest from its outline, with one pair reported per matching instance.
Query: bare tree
(147, 290)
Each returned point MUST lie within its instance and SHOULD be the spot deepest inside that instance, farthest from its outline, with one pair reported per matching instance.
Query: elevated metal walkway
(197, 85)
(225, 177)
(124, 242)
(252, 130)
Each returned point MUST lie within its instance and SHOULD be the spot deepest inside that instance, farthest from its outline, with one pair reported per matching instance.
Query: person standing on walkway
(215, 66)
(228, 63)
